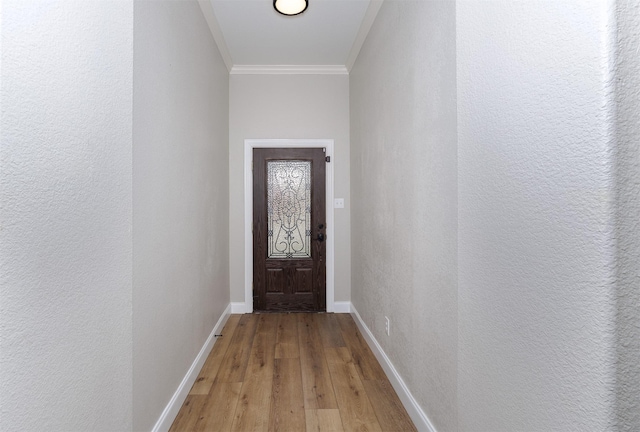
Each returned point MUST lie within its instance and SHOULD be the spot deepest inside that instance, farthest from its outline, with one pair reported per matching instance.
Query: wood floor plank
(254, 403)
(217, 414)
(316, 379)
(322, 389)
(323, 420)
(363, 358)
(355, 409)
(338, 355)
(234, 363)
(268, 324)
(287, 337)
(389, 410)
(287, 401)
(212, 365)
(189, 413)
(330, 331)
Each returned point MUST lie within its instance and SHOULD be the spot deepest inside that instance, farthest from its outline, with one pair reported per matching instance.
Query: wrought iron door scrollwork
(289, 209)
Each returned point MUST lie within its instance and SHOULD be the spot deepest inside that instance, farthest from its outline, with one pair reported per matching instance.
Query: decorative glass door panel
(289, 209)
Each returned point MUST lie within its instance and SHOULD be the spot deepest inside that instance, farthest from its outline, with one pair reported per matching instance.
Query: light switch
(338, 203)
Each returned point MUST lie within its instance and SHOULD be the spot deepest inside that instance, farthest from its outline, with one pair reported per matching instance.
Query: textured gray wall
(535, 205)
(403, 176)
(180, 198)
(519, 168)
(628, 214)
(65, 216)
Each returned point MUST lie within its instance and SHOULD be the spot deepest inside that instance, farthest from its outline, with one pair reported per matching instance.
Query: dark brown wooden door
(289, 230)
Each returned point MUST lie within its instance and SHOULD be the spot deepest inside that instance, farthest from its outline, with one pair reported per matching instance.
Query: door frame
(249, 145)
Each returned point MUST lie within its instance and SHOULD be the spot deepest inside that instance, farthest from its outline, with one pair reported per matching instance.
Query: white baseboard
(416, 413)
(171, 410)
(240, 308)
(342, 307)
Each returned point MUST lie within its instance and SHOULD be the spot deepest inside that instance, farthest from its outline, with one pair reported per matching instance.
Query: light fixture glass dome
(290, 7)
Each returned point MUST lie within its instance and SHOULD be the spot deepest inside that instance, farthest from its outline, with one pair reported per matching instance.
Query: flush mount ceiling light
(290, 7)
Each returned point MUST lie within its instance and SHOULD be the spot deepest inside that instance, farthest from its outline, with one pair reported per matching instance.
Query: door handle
(320, 237)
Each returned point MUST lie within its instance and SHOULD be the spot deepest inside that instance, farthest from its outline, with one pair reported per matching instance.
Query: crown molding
(216, 32)
(289, 70)
(369, 17)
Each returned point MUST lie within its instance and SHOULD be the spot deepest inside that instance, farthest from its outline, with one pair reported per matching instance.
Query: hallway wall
(180, 198)
(66, 216)
(535, 206)
(289, 106)
(537, 307)
(627, 215)
(404, 188)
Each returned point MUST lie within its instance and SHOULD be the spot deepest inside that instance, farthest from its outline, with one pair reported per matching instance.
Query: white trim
(289, 70)
(369, 17)
(416, 413)
(216, 32)
(239, 308)
(171, 410)
(342, 307)
(249, 145)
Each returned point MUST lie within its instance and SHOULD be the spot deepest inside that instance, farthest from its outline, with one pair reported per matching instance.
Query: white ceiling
(329, 32)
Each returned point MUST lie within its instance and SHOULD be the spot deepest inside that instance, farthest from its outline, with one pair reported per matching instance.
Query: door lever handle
(320, 237)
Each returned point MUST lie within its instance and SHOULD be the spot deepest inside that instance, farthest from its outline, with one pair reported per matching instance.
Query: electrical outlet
(387, 325)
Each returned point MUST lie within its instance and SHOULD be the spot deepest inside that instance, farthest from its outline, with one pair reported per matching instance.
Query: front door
(289, 229)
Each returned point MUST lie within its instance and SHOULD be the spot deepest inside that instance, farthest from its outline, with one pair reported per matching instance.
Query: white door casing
(249, 145)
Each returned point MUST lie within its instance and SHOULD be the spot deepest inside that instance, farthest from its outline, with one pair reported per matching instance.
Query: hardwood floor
(292, 373)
